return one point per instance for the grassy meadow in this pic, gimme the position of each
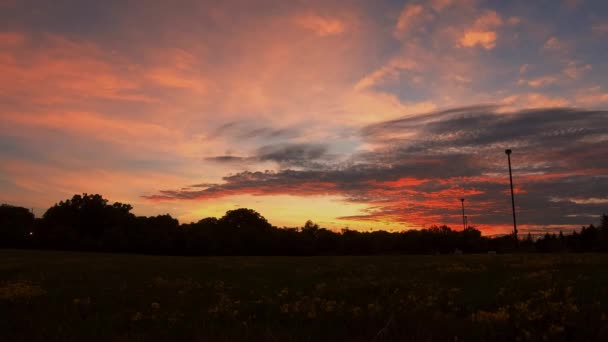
(69, 296)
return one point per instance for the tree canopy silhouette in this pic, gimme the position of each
(90, 222)
(16, 225)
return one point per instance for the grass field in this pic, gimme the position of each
(49, 296)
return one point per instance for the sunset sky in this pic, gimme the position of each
(366, 114)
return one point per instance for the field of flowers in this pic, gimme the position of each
(46, 296)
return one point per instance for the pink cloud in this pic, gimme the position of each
(575, 70)
(388, 71)
(592, 96)
(11, 39)
(440, 5)
(482, 32)
(411, 16)
(534, 100)
(485, 39)
(540, 81)
(553, 43)
(322, 26)
(524, 68)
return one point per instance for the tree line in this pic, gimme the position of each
(90, 223)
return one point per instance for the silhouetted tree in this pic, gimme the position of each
(81, 222)
(89, 222)
(155, 235)
(248, 230)
(16, 226)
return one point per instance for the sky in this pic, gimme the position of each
(361, 114)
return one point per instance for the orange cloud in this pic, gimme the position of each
(86, 124)
(486, 39)
(574, 70)
(592, 96)
(553, 43)
(440, 5)
(403, 182)
(540, 81)
(489, 19)
(513, 21)
(481, 33)
(388, 71)
(411, 15)
(535, 100)
(62, 70)
(167, 77)
(322, 26)
(11, 39)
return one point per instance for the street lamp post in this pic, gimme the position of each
(464, 223)
(508, 152)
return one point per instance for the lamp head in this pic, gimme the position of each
(462, 200)
(508, 152)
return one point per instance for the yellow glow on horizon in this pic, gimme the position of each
(291, 211)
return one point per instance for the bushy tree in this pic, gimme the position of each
(89, 222)
(16, 226)
(82, 221)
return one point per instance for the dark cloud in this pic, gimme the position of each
(423, 164)
(248, 130)
(287, 155)
(292, 153)
(225, 159)
(482, 128)
(267, 133)
(201, 185)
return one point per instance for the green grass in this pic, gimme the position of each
(48, 296)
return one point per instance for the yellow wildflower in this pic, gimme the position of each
(330, 306)
(20, 290)
(137, 316)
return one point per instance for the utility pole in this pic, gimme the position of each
(508, 152)
(464, 220)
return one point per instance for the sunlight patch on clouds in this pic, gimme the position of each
(387, 72)
(539, 81)
(439, 5)
(322, 26)
(411, 16)
(489, 19)
(533, 100)
(485, 39)
(592, 96)
(482, 32)
(553, 43)
(575, 70)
